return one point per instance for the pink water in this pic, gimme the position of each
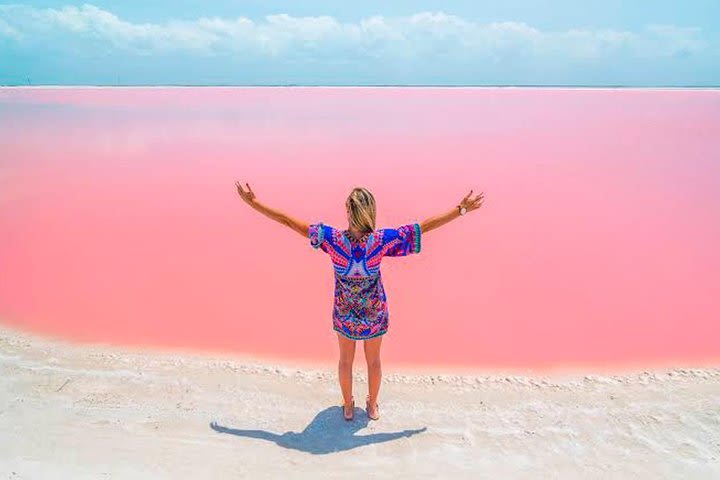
(597, 243)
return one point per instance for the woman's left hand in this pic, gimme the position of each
(248, 196)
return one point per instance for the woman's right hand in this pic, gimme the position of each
(472, 203)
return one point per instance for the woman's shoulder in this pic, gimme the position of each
(394, 232)
(322, 227)
(322, 234)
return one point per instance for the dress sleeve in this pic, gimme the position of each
(320, 236)
(401, 241)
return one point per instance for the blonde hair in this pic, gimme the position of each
(361, 204)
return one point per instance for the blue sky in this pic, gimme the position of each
(512, 42)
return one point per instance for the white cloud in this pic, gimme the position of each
(422, 36)
(7, 31)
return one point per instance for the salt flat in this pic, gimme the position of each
(97, 411)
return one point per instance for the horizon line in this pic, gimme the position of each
(379, 85)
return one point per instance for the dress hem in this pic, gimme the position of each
(358, 338)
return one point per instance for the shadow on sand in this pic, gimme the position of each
(327, 433)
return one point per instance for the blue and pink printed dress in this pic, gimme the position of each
(360, 308)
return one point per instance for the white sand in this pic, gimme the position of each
(70, 411)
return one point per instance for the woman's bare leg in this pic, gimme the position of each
(347, 355)
(372, 356)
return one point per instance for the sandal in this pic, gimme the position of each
(352, 414)
(367, 408)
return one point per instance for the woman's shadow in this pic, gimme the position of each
(327, 433)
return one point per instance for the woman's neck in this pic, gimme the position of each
(355, 232)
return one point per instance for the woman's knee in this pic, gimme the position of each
(374, 363)
(345, 362)
(347, 351)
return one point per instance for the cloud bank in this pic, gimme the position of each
(423, 45)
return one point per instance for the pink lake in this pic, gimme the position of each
(597, 243)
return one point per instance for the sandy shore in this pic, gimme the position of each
(71, 411)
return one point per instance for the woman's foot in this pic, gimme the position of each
(349, 410)
(372, 410)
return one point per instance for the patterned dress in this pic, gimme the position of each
(360, 308)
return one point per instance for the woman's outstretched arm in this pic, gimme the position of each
(281, 217)
(438, 220)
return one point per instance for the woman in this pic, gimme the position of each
(360, 308)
